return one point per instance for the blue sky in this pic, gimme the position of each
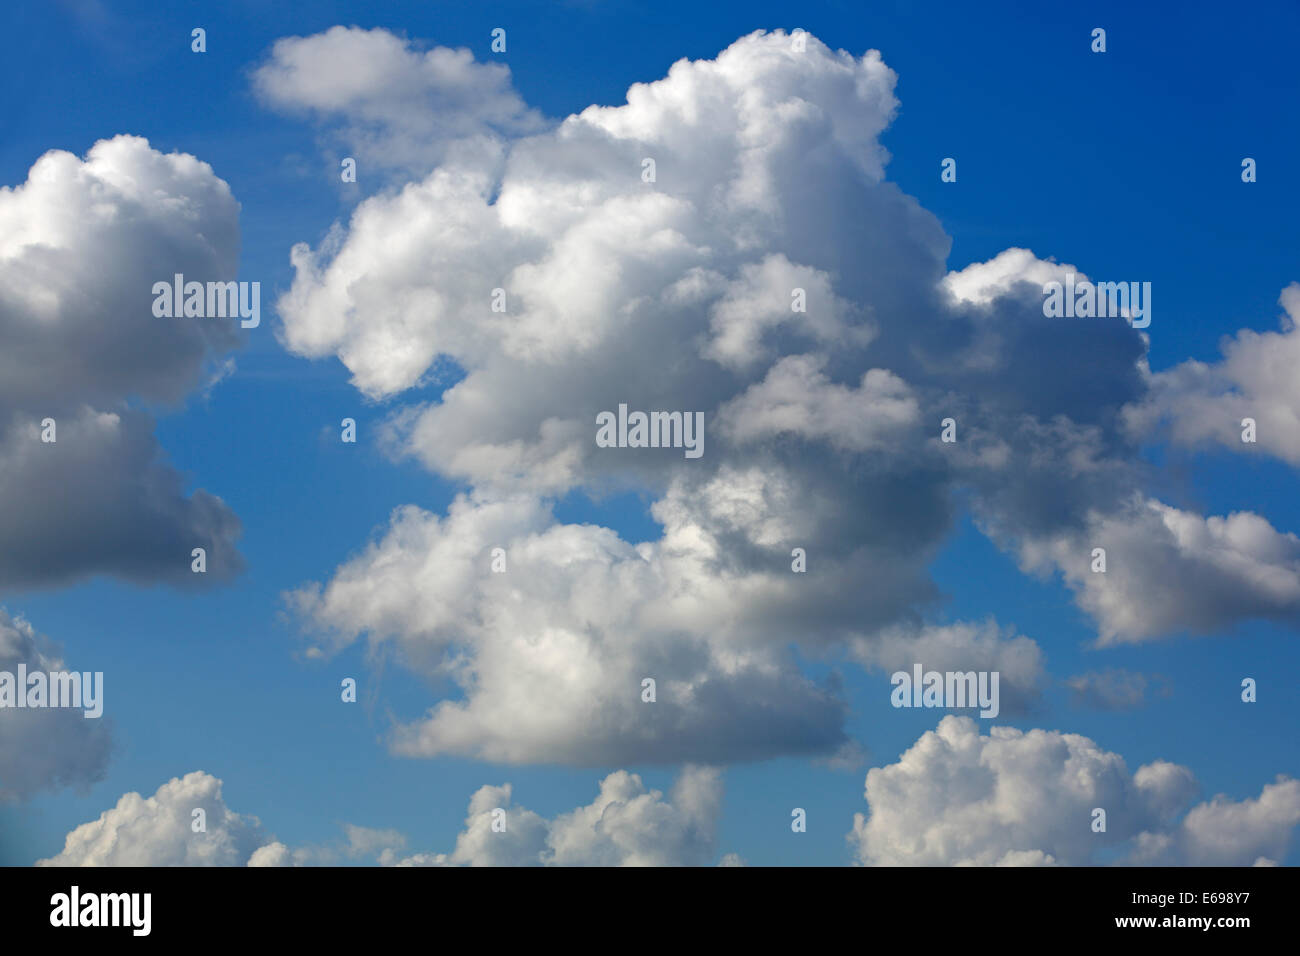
(1125, 164)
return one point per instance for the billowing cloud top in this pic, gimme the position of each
(1011, 798)
(726, 243)
(626, 825)
(162, 830)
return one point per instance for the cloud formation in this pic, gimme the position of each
(398, 105)
(82, 243)
(683, 291)
(553, 651)
(1198, 404)
(1170, 571)
(627, 824)
(1013, 798)
(158, 830)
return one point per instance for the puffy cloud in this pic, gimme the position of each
(606, 278)
(822, 427)
(47, 747)
(156, 830)
(82, 243)
(361, 843)
(1227, 832)
(521, 843)
(626, 825)
(1052, 490)
(1169, 570)
(274, 854)
(954, 798)
(721, 131)
(957, 797)
(1198, 404)
(551, 654)
(983, 283)
(397, 105)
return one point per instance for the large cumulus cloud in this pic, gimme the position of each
(822, 426)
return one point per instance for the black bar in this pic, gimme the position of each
(455, 907)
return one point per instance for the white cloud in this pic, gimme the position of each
(574, 198)
(1169, 570)
(362, 843)
(957, 797)
(626, 825)
(551, 654)
(398, 105)
(954, 798)
(1225, 832)
(157, 831)
(982, 283)
(620, 291)
(821, 427)
(521, 843)
(273, 854)
(82, 243)
(1197, 404)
